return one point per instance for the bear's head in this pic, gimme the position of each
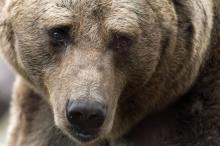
(102, 65)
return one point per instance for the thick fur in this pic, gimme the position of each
(164, 90)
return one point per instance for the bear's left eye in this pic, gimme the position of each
(59, 36)
(121, 42)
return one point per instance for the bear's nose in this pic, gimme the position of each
(85, 116)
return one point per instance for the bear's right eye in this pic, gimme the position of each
(59, 36)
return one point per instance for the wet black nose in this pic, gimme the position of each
(85, 116)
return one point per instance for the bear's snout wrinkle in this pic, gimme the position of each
(86, 117)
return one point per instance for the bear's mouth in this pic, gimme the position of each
(83, 137)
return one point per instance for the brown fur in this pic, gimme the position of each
(163, 90)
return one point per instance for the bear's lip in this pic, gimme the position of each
(82, 137)
(85, 136)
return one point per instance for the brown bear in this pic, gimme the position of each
(113, 72)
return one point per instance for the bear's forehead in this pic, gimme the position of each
(117, 14)
(98, 8)
(97, 5)
(67, 11)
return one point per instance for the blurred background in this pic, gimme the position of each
(6, 82)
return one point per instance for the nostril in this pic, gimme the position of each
(76, 115)
(93, 116)
(86, 115)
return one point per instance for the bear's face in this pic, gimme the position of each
(86, 56)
